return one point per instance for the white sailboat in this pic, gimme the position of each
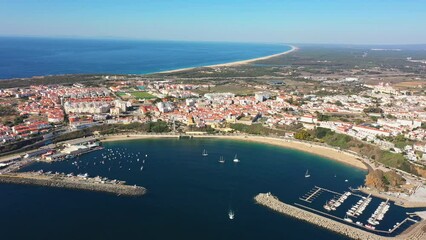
(205, 153)
(236, 159)
(307, 174)
(231, 214)
(221, 160)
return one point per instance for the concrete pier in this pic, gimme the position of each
(72, 182)
(416, 232)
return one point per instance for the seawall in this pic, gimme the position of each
(72, 182)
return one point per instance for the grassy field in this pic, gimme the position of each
(142, 95)
(120, 94)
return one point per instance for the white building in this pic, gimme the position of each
(363, 131)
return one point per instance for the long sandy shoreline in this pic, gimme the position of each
(322, 151)
(236, 63)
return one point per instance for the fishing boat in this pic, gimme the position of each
(307, 174)
(221, 160)
(231, 214)
(236, 159)
(205, 153)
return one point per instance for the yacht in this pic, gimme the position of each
(221, 160)
(236, 159)
(327, 206)
(205, 153)
(347, 219)
(231, 214)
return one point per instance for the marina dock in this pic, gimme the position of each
(80, 182)
(416, 232)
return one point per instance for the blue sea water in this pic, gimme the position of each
(27, 57)
(188, 195)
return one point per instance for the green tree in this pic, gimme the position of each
(302, 135)
(322, 132)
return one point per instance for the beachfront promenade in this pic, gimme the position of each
(416, 232)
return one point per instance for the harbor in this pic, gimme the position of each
(203, 190)
(10, 171)
(416, 232)
(363, 211)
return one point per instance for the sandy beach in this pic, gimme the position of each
(326, 152)
(242, 62)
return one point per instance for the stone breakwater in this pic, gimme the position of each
(417, 232)
(72, 182)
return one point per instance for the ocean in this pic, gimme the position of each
(27, 57)
(188, 195)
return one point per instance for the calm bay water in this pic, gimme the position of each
(188, 197)
(27, 57)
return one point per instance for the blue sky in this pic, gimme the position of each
(297, 21)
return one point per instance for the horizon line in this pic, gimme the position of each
(206, 41)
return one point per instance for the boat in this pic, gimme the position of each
(231, 214)
(347, 219)
(307, 174)
(221, 160)
(370, 227)
(236, 159)
(327, 207)
(205, 153)
(359, 223)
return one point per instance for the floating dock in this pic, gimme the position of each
(73, 182)
(416, 232)
(312, 194)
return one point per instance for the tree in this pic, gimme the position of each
(302, 135)
(373, 110)
(322, 117)
(148, 115)
(321, 132)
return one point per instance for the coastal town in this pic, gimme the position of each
(379, 115)
(301, 120)
(375, 126)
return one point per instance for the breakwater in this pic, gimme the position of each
(416, 232)
(73, 182)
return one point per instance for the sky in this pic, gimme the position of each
(275, 21)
